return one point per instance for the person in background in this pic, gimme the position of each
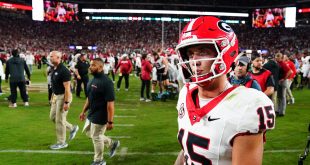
(29, 58)
(81, 72)
(125, 66)
(290, 63)
(262, 76)
(2, 76)
(274, 68)
(146, 71)
(241, 76)
(15, 68)
(100, 107)
(61, 100)
(285, 73)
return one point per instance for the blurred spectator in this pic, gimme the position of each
(241, 76)
(29, 58)
(274, 68)
(81, 72)
(15, 68)
(1, 76)
(289, 62)
(125, 66)
(146, 71)
(263, 76)
(284, 74)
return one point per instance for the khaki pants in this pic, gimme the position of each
(59, 117)
(96, 132)
(274, 98)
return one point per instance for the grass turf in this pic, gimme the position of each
(152, 138)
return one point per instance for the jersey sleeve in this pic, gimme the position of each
(258, 115)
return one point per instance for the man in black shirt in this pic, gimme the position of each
(100, 103)
(81, 73)
(15, 67)
(61, 100)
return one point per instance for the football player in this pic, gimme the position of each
(218, 123)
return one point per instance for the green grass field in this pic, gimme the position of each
(147, 131)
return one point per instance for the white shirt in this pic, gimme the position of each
(1, 71)
(29, 59)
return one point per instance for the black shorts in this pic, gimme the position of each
(160, 75)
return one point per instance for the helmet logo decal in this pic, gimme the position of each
(224, 27)
(222, 66)
(224, 43)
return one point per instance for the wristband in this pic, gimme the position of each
(110, 122)
(67, 102)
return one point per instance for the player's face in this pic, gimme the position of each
(240, 70)
(197, 56)
(95, 67)
(258, 63)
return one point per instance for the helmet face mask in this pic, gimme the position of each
(216, 36)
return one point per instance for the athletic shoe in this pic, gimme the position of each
(141, 99)
(58, 146)
(98, 163)
(115, 145)
(148, 100)
(117, 89)
(26, 104)
(73, 132)
(12, 105)
(126, 89)
(293, 100)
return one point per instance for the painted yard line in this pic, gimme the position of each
(122, 116)
(124, 125)
(122, 153)
(120, 137)
(124, 109)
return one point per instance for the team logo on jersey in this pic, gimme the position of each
(181, 111)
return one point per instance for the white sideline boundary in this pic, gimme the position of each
(118, 153)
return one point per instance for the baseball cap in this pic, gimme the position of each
(244, 60)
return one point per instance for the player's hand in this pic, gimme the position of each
(110, 126)
(66, 107)
(79, 77)
(82, 116)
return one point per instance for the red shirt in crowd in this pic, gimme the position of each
(284, 69)
(263, 77)
(125, 66)
(291, 65)
(146, 70)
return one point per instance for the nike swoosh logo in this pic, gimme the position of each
(212, 119)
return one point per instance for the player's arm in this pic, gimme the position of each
(248, 149)
(180, 159)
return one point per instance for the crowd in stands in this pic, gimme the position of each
(119, 37)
